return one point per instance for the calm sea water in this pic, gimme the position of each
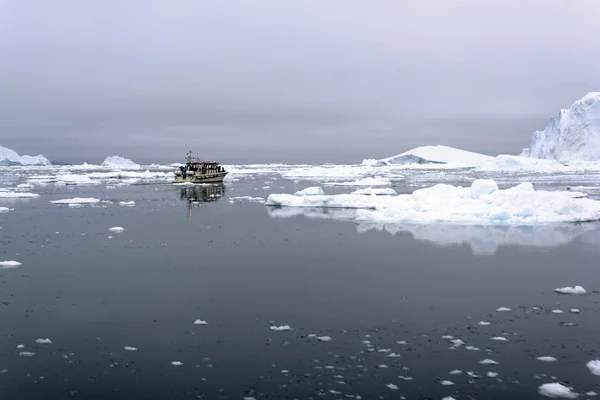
(386, 301)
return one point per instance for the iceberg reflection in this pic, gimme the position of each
(483, 240)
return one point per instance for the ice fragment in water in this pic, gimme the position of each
(392, 386)
(200, 322)
(594, 367)
(281, 328)
(488, 361)
(9, 264)
(484, 323)
(546, 359)
(447, 383)
(43, 341)
(556, 390)
(500, 339)
(503, 309)
(492, 374)
(571, 290)
(129, 348)
(324, 338)
(116, 229)
(176, 363)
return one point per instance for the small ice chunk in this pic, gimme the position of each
(77, 200)
(557, 311)
(129, 348)
(591, 394)
(447, 383)
(43, 341)
(448, 398)
(9, 264)
(406, 378)
(472, 348)
(448, 337)
(556, 390)
(394, 355)
(484, 323)
(310, 191)
(20, 346)
(27, 354)
(116, 229)
(594, 367)
(570, 290)
(574, 310)
(280, 328)
(455, 372)
(500, 339)
(457, 342)
(200, 322)
(392, 386)
(488, 361)
(503, 309)
(127, 203)
(176, 363)
(546, 359)
(324, 338)
(401, 342)
(492, 374)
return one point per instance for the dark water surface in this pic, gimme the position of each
(241, 270)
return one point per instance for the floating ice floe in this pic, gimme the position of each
(324, 338)
(310, 191)
(116, 229)
(27, 354)
(280, 328)
(594, 367)
(455, 372)
(76, 201)
(546, 359)
(488, 361)
(130, 348)
(491, 374)
(447, 383)
(74, 179)
(200, 322)
(503, 309)
(556, 390)
(392, 386)
(6, 194)
(557, 311)
(127, 203)
(375, 191)
(247, 198)
(571, 290)
(575, 310)
(4, 209)
(480, 204)
(118, 162)
(500, 339)
(176, 363)
(20, 346)
(448, 398)
(9, 264)
(378, 181)
(472, 348)
(484, 323)
(43, 341)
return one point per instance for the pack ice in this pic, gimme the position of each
(483, 203)
(571, 135)
(10, 157)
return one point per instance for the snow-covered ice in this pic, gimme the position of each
(556, 390)
(9, 264)
(280, 328)
(546, 359)
(375, 191)
(434, 155)
(508, 163)
(118, 162)
(572, 134)
(200, 322)
(247, 198)
(594, 367)
(480, 204)
(10, 157)
(77, 200)
(310, 191)
(570, 290)
(116, 229)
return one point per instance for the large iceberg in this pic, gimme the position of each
(118, 162)
(434, 155)
(571, 135)
(10, 157)
(483, 203)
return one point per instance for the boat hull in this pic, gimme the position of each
(216, 177)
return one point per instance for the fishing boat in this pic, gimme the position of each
(196, 171)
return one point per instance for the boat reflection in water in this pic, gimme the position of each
(196, 195)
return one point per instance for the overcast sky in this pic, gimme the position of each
(315, 81)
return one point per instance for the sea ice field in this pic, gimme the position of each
(367, 281)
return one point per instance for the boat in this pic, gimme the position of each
(196, 171)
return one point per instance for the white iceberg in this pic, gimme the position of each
(118, 162)
(434, 155)
(571, 290)
(200, 322)
(10, 157)
(4, 209)
(480, 204)
(9, 264)
(556, 390)
(375, 191)
(310, 191)
(572, 134)
(594, 367)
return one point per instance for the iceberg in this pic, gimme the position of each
(9, 157)
(480, 204)
(505, 162)
(433, 155)
(571, 135)
(118, 162)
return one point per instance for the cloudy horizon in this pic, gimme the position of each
(298, 81)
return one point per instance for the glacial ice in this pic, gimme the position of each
(433, 155)
(572, 134)
(480, 204)
(9, 157)
(118, 162)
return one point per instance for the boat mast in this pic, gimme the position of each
(189, 156)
